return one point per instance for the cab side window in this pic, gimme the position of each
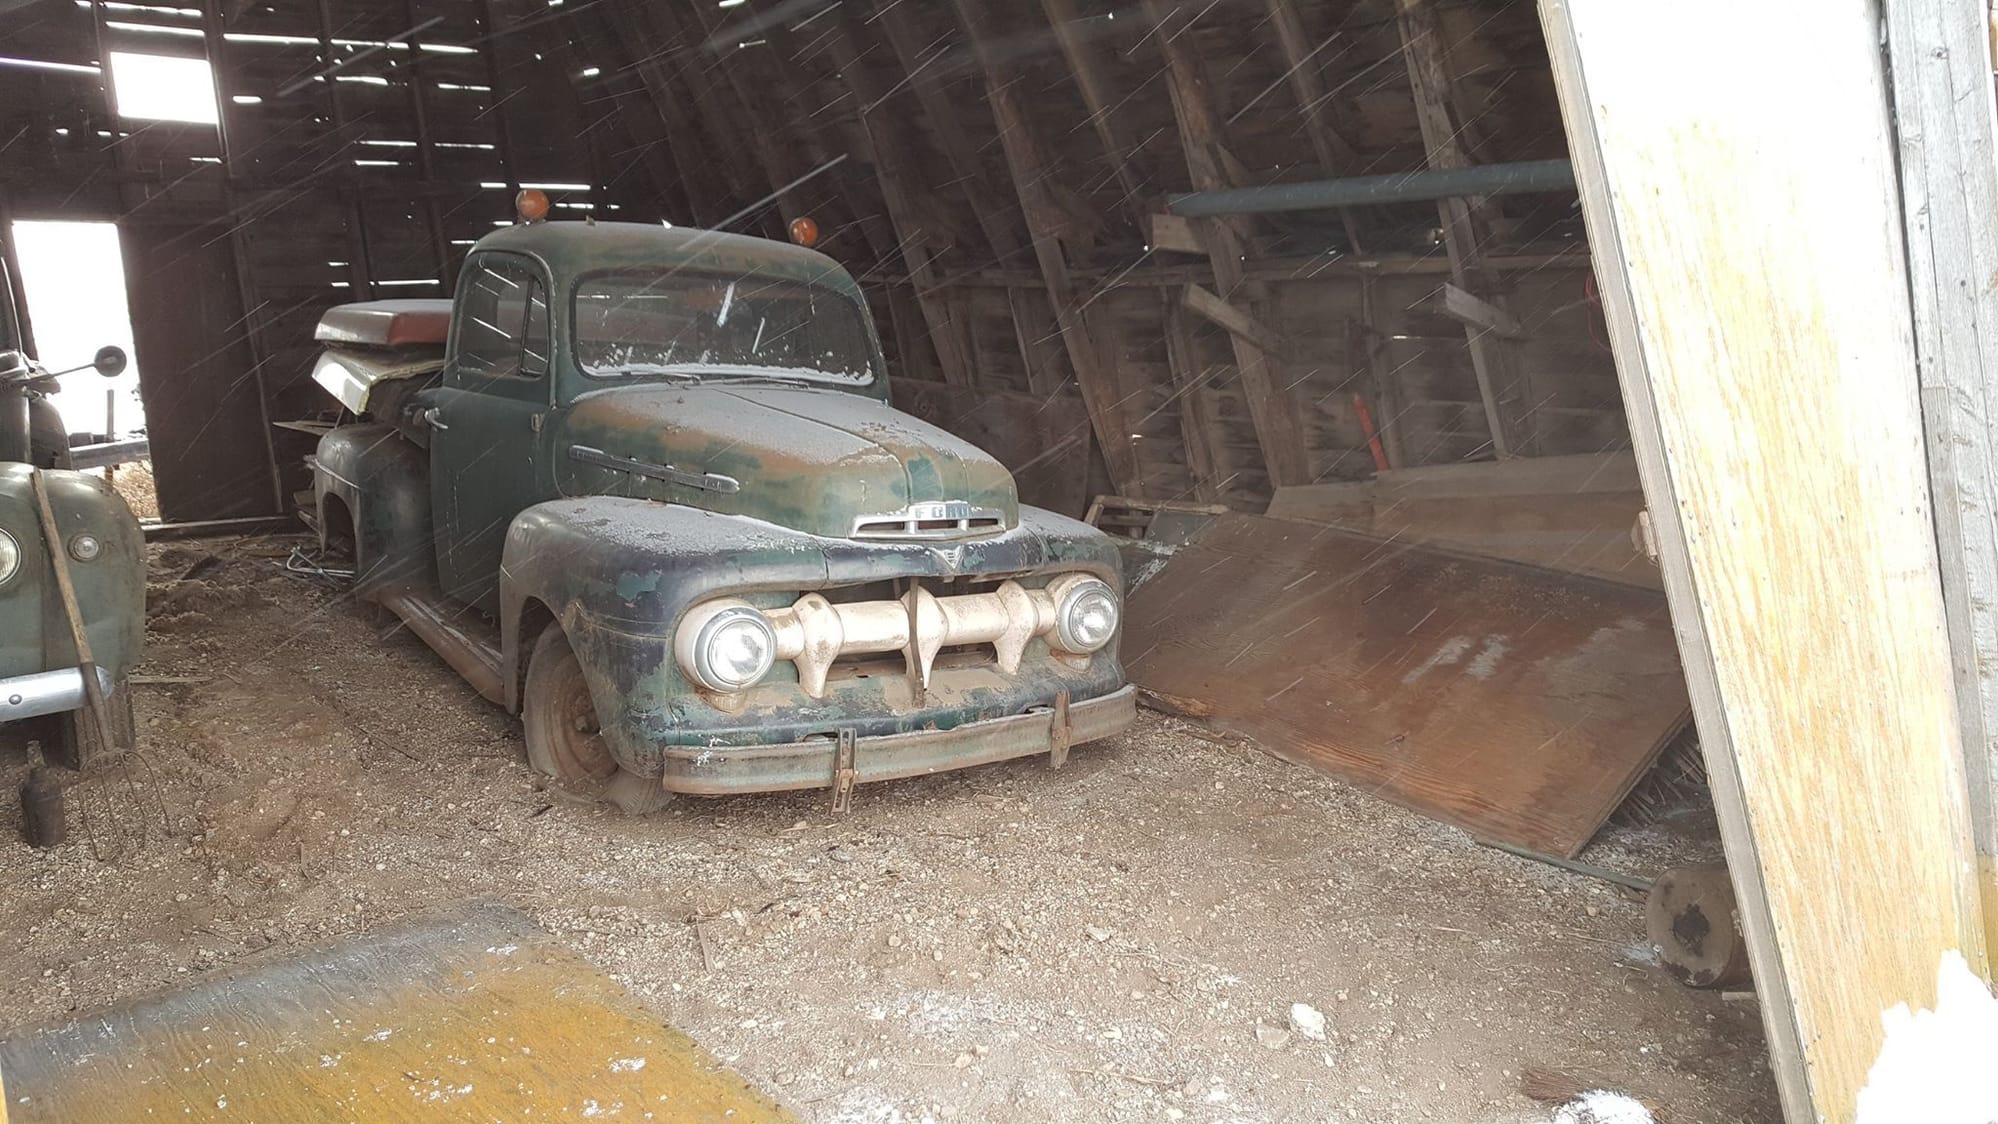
(503, 319)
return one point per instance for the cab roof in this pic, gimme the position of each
(571, 248)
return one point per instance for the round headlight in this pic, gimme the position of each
(1086, 619)
(10, 556)
(727, 649)
(85, 547)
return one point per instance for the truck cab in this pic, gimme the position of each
(643, 486)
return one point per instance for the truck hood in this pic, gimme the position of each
(817, 461)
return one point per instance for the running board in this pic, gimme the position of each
(472, 654)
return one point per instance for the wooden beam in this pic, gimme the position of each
(898, 172)
(1475, 312)
(1198, 427)
(1336, 156)
(1492, 360)
(1279, 429)
(645, 120)
(969, 174)
(1032, 171)
(922, 63)
(1176, 235)
(1770, 379)
(1233, 320)
(710, 179)
(1085, 66)
(1940, 58)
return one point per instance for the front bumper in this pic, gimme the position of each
(720, 770)
(46, 692)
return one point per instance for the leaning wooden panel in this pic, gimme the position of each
(1770, 381)
(1517, 704)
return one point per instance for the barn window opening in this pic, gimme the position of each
(73, 274)
(163, 88)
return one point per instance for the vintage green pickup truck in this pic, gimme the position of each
(643, 487)
(59, 649)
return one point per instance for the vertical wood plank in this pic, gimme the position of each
(1940, 59)
(1769, 375)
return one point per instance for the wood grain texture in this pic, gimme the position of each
(477, 1016)
(1518, 705)
(1769, 374)
(1940, 61)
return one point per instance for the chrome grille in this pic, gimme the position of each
(936, 519)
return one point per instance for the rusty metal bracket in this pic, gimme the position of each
(843, 770)
(1061, 734)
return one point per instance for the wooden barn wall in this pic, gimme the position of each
(365, 145)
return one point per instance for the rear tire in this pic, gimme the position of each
(565, 741)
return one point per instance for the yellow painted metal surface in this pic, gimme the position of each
(482, 1016)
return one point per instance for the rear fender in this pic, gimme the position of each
(383, 480)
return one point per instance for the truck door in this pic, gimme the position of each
(488, 454)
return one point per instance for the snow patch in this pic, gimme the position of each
(1935, 1066)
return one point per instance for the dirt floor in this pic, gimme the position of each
(1123, 940)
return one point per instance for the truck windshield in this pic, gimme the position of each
(639, 323)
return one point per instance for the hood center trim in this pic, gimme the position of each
(705, 481)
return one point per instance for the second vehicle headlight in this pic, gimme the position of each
(727, 647)
(1087, 617)
(10, 556)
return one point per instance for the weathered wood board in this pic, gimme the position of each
(1517, 704)
(1569, 513)
(478, 1016)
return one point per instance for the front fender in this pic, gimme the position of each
(623, 569)
(110, 589)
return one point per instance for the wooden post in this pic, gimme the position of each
(1279, 428)
(1199, 429)
(1940, 58)
(1769, 375)
(1492, 357)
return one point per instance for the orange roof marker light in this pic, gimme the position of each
(531, 205)
(805, 231)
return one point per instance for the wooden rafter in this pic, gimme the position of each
(1279, 431)
(1492, 358)
(795, 108)
(638, 112)
(747, 117)
(1336, 156)
(899, 175)
(711, 175)
(1032, 170)
(1031, 318)
(1085, 65)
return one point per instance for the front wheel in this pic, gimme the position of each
(565, 741)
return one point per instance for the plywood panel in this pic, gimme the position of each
(1516, 704)
(1771, 382)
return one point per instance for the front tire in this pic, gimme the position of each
(565, 741)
